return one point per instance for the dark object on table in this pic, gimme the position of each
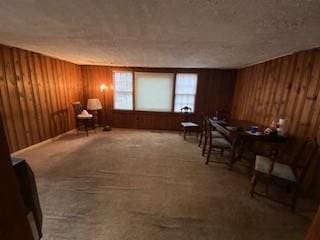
(270, 132)
(273, 170)
(28, 189)
(223, 115)
(254, 129)
(187, 125)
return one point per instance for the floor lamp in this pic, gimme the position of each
(104, 90)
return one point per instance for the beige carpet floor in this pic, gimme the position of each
(143, 185)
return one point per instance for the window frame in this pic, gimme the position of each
(133, 71)
(195, 94)
(113, 92)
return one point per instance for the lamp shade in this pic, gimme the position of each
(94, 104)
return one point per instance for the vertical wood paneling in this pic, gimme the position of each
(41, 95)
(22, 99)
(47, 93)
(288, 87)
(13, 95)
(285, 87)
(31, 107)
(6, 109)
(36, 93)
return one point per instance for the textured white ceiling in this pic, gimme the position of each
(162, 33)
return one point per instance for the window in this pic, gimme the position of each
(123, 82)
(154, 91)
(185, 92)
(151, 91)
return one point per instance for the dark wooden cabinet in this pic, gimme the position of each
(29, 193)
(14, 224)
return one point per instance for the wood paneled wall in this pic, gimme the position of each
(215, 91)
(286, 87)
(36, 93)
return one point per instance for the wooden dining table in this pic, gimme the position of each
(245, 143)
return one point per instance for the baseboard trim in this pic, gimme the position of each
(42, 143)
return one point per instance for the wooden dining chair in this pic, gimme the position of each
(215, 142)
(188, 125)
(203, 131)
(204, 137)
(83, 123)
(274, 170)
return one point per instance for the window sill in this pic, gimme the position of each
(147, 112)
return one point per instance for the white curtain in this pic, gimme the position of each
(122, 82)
(153, 91)
(185, 92)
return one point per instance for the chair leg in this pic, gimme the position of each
(184, 134)
(204, 148)
(294, 198)
(86, 128)
(230, 165)
(267, 188)
(253, 185)
(200, 140)
(208, 156)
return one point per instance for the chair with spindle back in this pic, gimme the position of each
(215, 142)
(77, 106)
(187, 125)
(205, 134)
(273, 169)
(83, 122)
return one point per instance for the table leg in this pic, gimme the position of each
(237, 153)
